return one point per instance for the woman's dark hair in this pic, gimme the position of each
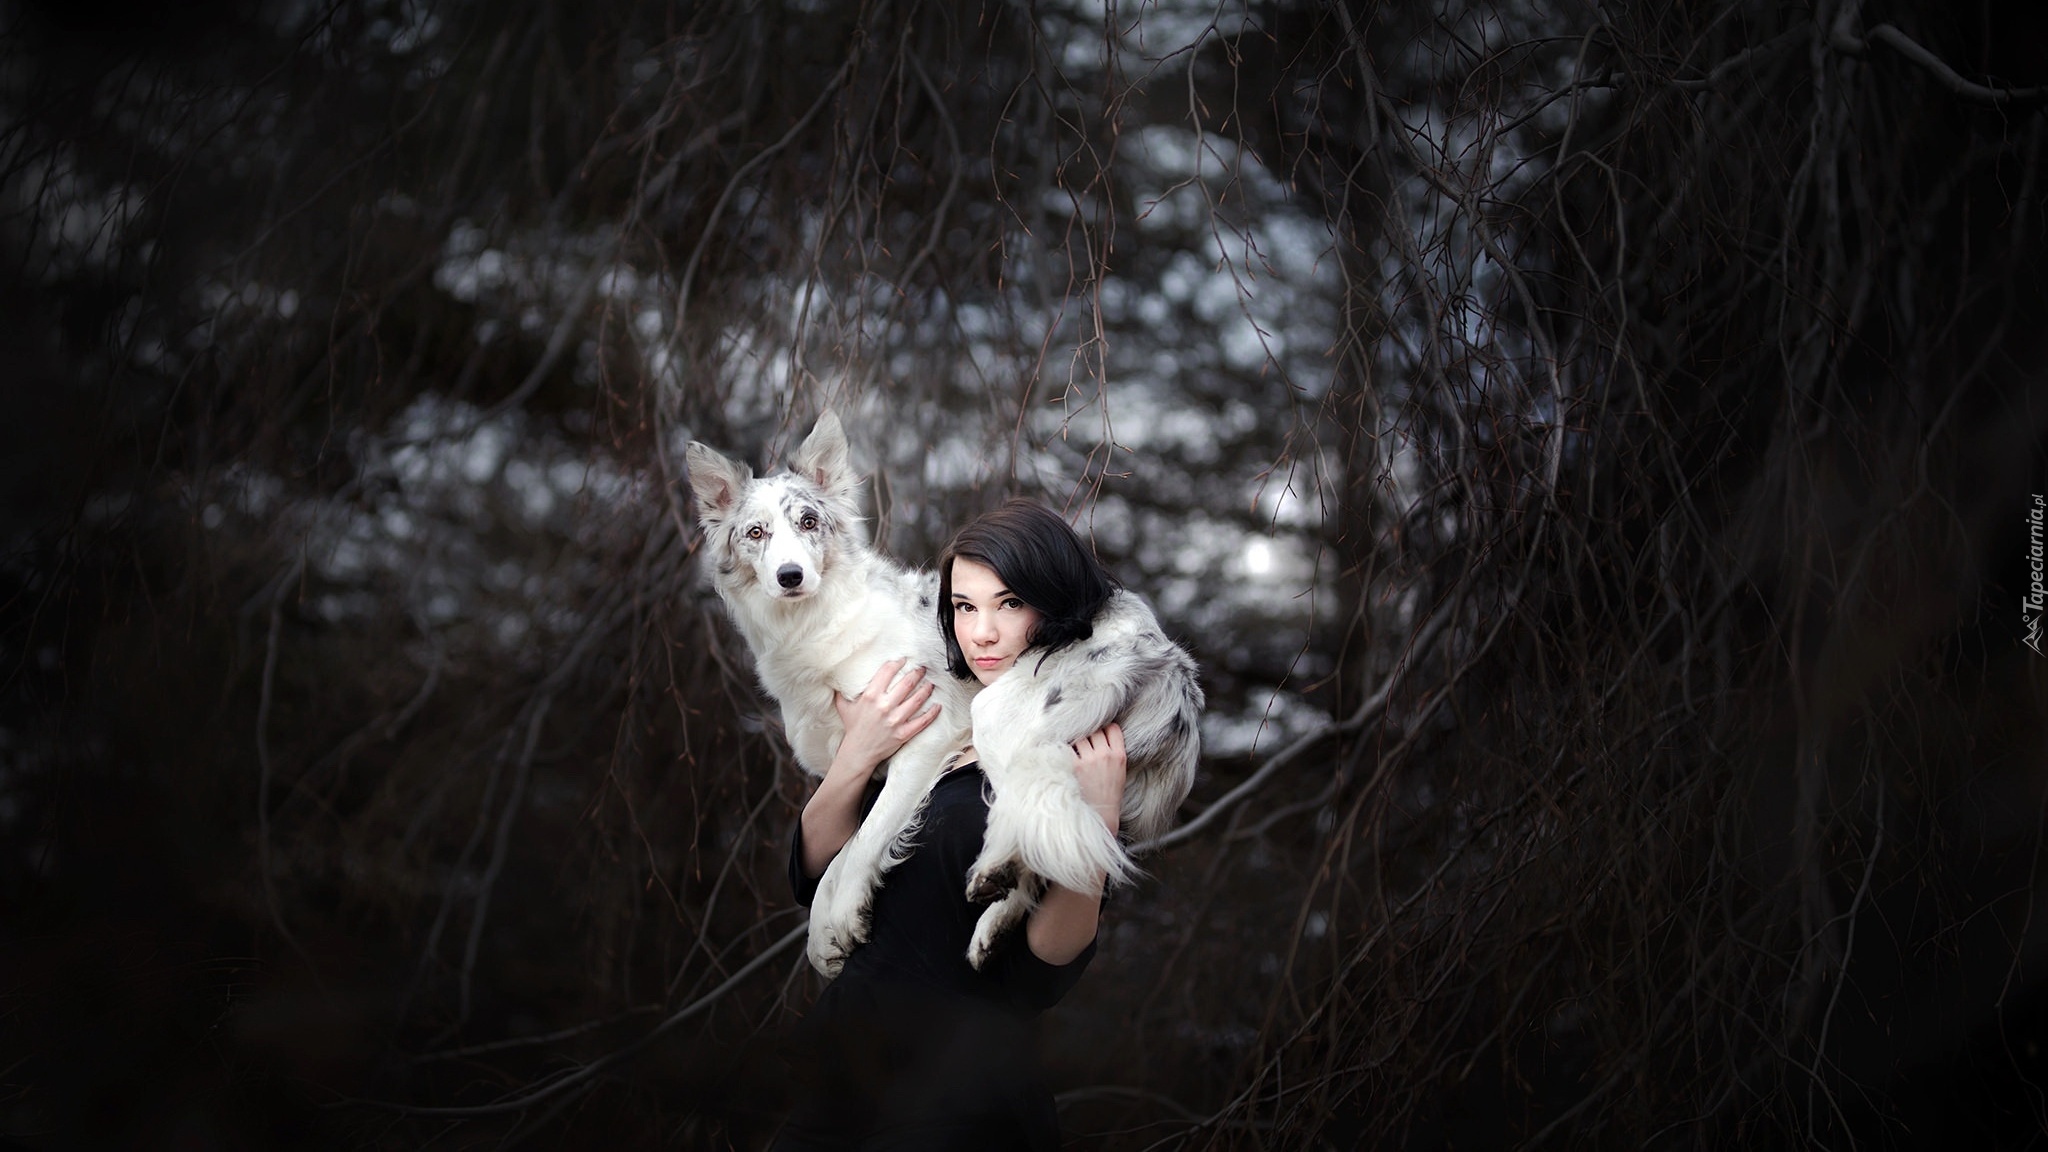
(1042, 561)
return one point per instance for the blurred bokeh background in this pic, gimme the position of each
(1590, 448)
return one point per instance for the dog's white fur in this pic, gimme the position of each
(1039, 827)
(822, 610)
(846, 611)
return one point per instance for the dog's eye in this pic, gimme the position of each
(809, 523)
(755, 533)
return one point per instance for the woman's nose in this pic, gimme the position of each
(980, 629)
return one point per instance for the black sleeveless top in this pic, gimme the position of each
(910, 1046)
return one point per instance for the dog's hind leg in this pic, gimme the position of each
(999, 918)
(1040, 823)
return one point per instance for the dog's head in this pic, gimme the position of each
(783, 532)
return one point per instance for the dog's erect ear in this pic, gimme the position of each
(823, 459)
(716, 481)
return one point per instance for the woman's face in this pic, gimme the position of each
(992, 625)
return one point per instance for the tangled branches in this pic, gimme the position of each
(1582, 443)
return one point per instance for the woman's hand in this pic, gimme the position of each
(888, 712)
(1100, 766)
(883, 718)
(1065, 921)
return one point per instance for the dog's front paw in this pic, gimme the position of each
(839, 922)
(825, 951)
(991, 881)
(847, 916)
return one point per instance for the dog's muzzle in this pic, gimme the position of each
(789, 575)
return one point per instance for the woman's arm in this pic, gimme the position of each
(881, 720)
(1065, 921)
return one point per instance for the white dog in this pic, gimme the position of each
(822, 610)
(1039, 826)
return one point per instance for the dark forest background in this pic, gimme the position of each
(1588, 445)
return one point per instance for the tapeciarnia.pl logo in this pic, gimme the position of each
(2036, 600)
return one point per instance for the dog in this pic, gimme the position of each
(1039, 828)
(822, 610)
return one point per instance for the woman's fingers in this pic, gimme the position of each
(914, 700)
(890, 682)
(895, 706)
(910, 716)
(1106, 743)
(1099, 767)
(884, 676)
(1100, 752)
(906, 694)
(886, 688)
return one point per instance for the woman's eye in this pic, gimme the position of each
(1013, 602)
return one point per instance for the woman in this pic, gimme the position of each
(911, 1047)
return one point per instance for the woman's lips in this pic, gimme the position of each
(987, 661)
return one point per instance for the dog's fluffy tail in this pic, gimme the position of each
(1045, 822)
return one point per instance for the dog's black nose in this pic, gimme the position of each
(789, 575)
